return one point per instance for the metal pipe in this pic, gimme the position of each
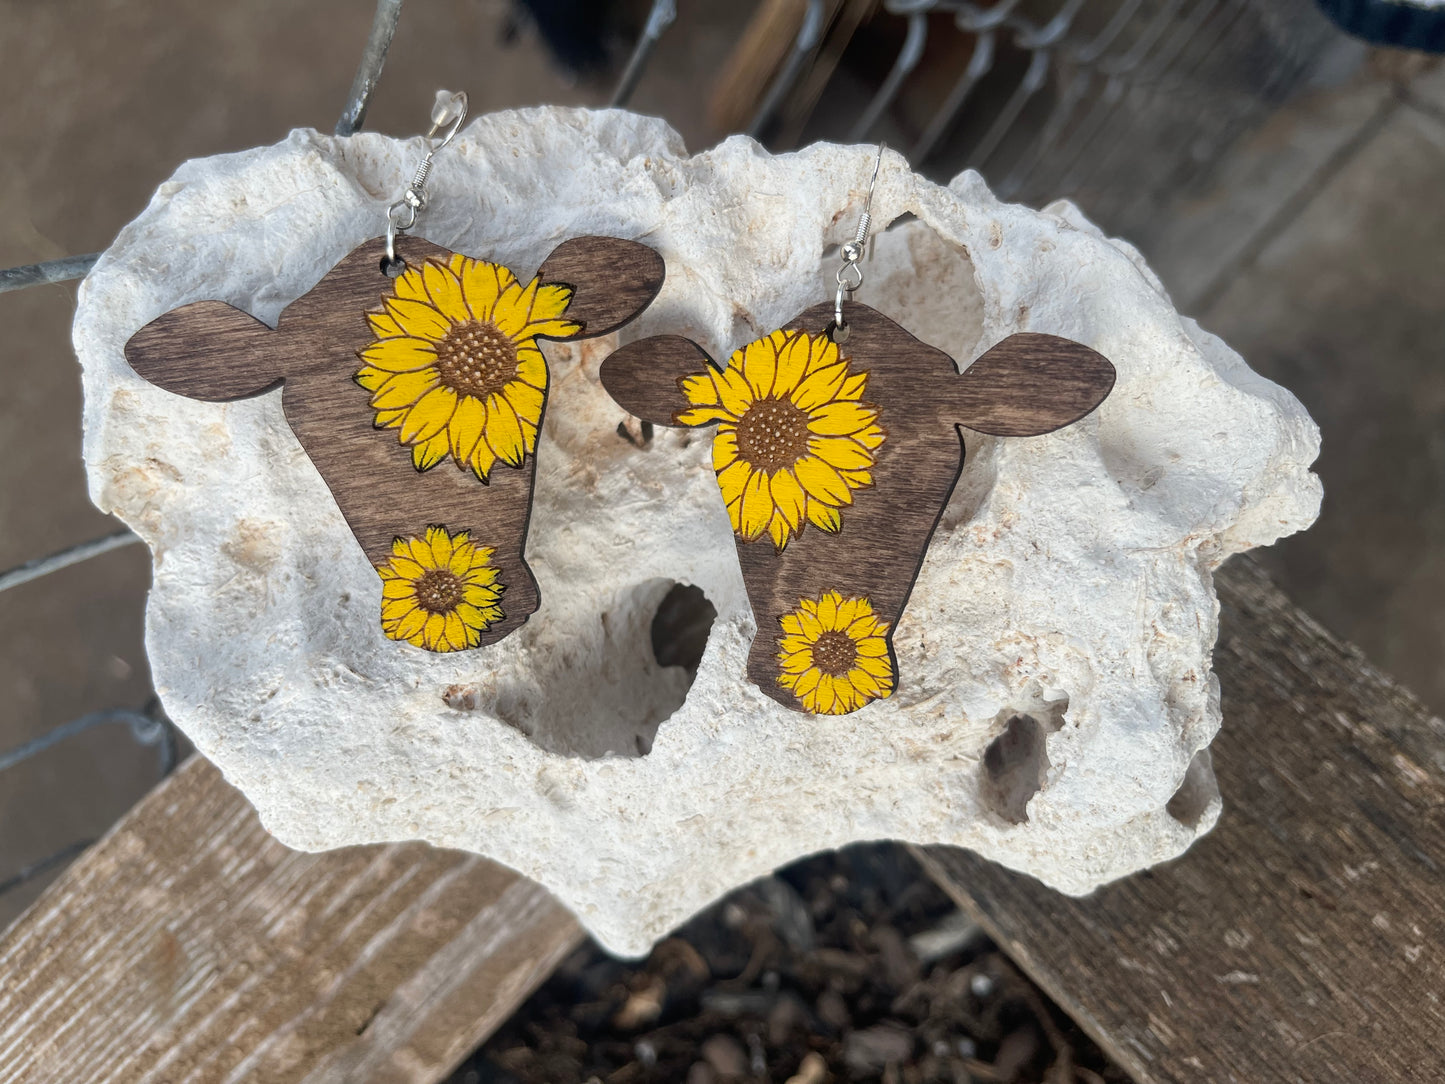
(907, 59)
(39, 274)
(373, 58)
(662, 15)
(43, 566)
(979, 65)
(809, 34)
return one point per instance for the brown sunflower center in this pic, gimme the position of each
(438, 591)
(772, 434)
(476, 358)
(835, 653)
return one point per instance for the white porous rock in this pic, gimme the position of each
(1069, 581)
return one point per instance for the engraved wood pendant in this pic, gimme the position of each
(419, 398)
(835, 462)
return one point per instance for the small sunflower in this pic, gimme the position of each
(455, 366)
(794, 437)
(439, 592)
(834, 654)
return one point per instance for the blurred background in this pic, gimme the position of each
(1285, 179)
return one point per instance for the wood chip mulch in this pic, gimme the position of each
(849, 966)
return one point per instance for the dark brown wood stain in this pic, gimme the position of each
(211, 351)
(1026, 385)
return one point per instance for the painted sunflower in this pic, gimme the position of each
(439, 592)
(794, 437)
(834, 654)
(455, 366)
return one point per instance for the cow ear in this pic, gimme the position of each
(207, 350)
(1030, 384)
(611, 280)
(646, 379)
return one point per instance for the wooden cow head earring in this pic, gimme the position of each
(851, 428)
(412, 377)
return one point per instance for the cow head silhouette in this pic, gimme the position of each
(419, 397)
(835, 461)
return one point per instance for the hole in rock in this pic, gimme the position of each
(1016, 763)
(601, 686)
(680, 627)
(1196, 793)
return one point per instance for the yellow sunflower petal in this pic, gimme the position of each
(445, 292)
(874, 647)
(394, 609)
(411, 624)
(473, 617)
(389, 419)
(526, 400)
(853, 387)
(404, 389)
(843, 453)
(822, 353)
(532, 367)
(370, 378)
(384, 325)
(513, 308)
(482, 461)
(483, 283)
(699, 389)
(828, 610)
(434, 632)
(732, 479)
(865, 683)
(792, 365)
(430, 415)
(808, 620)
(796, 662)
(760, 366)
(791, 625)
(441, 546)
(409, 285)
(821, 700)
(546, 315)
(418, 318)
(757, 507)
(806, 682)
(820, 387)
(824, 516)
(733, 388)
(401, 355)
(839, 418)
(871, 437)
(503, 433)
(455, 631)
(701, 415)
(465, 428)
(724, 450)
(788, 495)
(877, 665)
(426, 454)
(822, 481)
(480, 597)
(779, 530)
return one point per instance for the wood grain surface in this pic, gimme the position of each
(190, 946)
(212, 351)
(1028, 384)
(1303, 940)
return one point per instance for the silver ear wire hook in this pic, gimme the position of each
(449, 112)
(850, 275)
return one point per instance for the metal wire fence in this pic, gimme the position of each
(1123, 105)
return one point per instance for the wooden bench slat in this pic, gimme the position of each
(1303, 939)
(188, 945)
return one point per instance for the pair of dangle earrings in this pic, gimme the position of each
(413, 378)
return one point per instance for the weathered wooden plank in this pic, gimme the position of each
(188, 945)
(1303, 939)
